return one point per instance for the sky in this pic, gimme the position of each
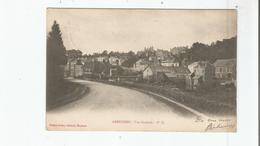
(95, 30)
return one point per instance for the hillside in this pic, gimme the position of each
(224, 49)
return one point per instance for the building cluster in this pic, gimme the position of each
(160, 67)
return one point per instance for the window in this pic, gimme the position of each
(229, 69)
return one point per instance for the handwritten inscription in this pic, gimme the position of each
(213, 126)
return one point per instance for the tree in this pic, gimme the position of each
(104, 53)
(149, 51)
(55, 58)
(111, 53)
(55, 48)
(74, 53)
(98, 67)
(216, 50)
(200, 51)
(131, 54)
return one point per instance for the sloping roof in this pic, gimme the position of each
(128, 71)
(181, 70)
(170, 75)
(166, 69)
(193, 64)
(129, 62)
(201, 63)
(143, 61)
(170, 61)
(161, 68)
(225, 62)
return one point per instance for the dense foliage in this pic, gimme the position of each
(217, 50)
(55, 59)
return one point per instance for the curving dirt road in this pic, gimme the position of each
(108, 107)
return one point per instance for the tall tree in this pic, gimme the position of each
(55, 47)
(55, 58)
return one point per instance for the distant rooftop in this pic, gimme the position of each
(181, 70)
(225, 62)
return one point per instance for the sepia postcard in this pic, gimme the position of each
(141, 70)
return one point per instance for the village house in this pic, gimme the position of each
(82, 58)
(115, 70)
(74, 68)
(102, 58)
(88, 68)
(153, 60)
(90, 59)
(225, 69)
(162, 54)
(115, 60)
(201, 72)
(128, 71)
(185, 62)
(170, 63)
(120, 73)
(78, 69)
(165, 73)
(140, 65)
(202, 69)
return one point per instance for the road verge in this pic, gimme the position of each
(72, 92)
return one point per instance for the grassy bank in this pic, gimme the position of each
(64, 93)
(216, 101)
